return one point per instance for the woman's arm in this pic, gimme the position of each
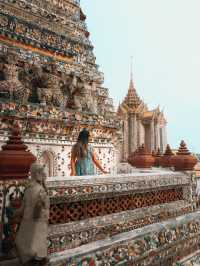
(73, 166)
(97, 163)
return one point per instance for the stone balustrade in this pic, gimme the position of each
(84, 209)
(73, 189)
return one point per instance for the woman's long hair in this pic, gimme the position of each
(79, 150)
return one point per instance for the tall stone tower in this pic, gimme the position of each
(50, 83)
(140, 125)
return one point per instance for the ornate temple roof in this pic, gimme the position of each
(133, 104)
(132, 99)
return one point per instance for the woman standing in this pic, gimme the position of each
(83, 157)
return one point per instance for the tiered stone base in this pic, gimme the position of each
(87, 209)
(158, 244)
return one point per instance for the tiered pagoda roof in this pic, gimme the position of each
(132, 99)
(132, 103)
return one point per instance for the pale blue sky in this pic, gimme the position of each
(163, 38)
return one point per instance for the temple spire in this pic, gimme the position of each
(131, 86)
(132, 99)
(131, 67)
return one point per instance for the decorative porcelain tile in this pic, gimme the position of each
(161, 243)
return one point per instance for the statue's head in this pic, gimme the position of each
(37, 172)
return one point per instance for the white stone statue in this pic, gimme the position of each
(31, 240)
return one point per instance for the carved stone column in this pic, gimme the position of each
(125, 140)
(157, 137)
(152, 134)
(132, 124)
(126, 132)
(140, 133)
(164, 137)
(135, 133)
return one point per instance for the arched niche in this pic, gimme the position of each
(48, 160)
